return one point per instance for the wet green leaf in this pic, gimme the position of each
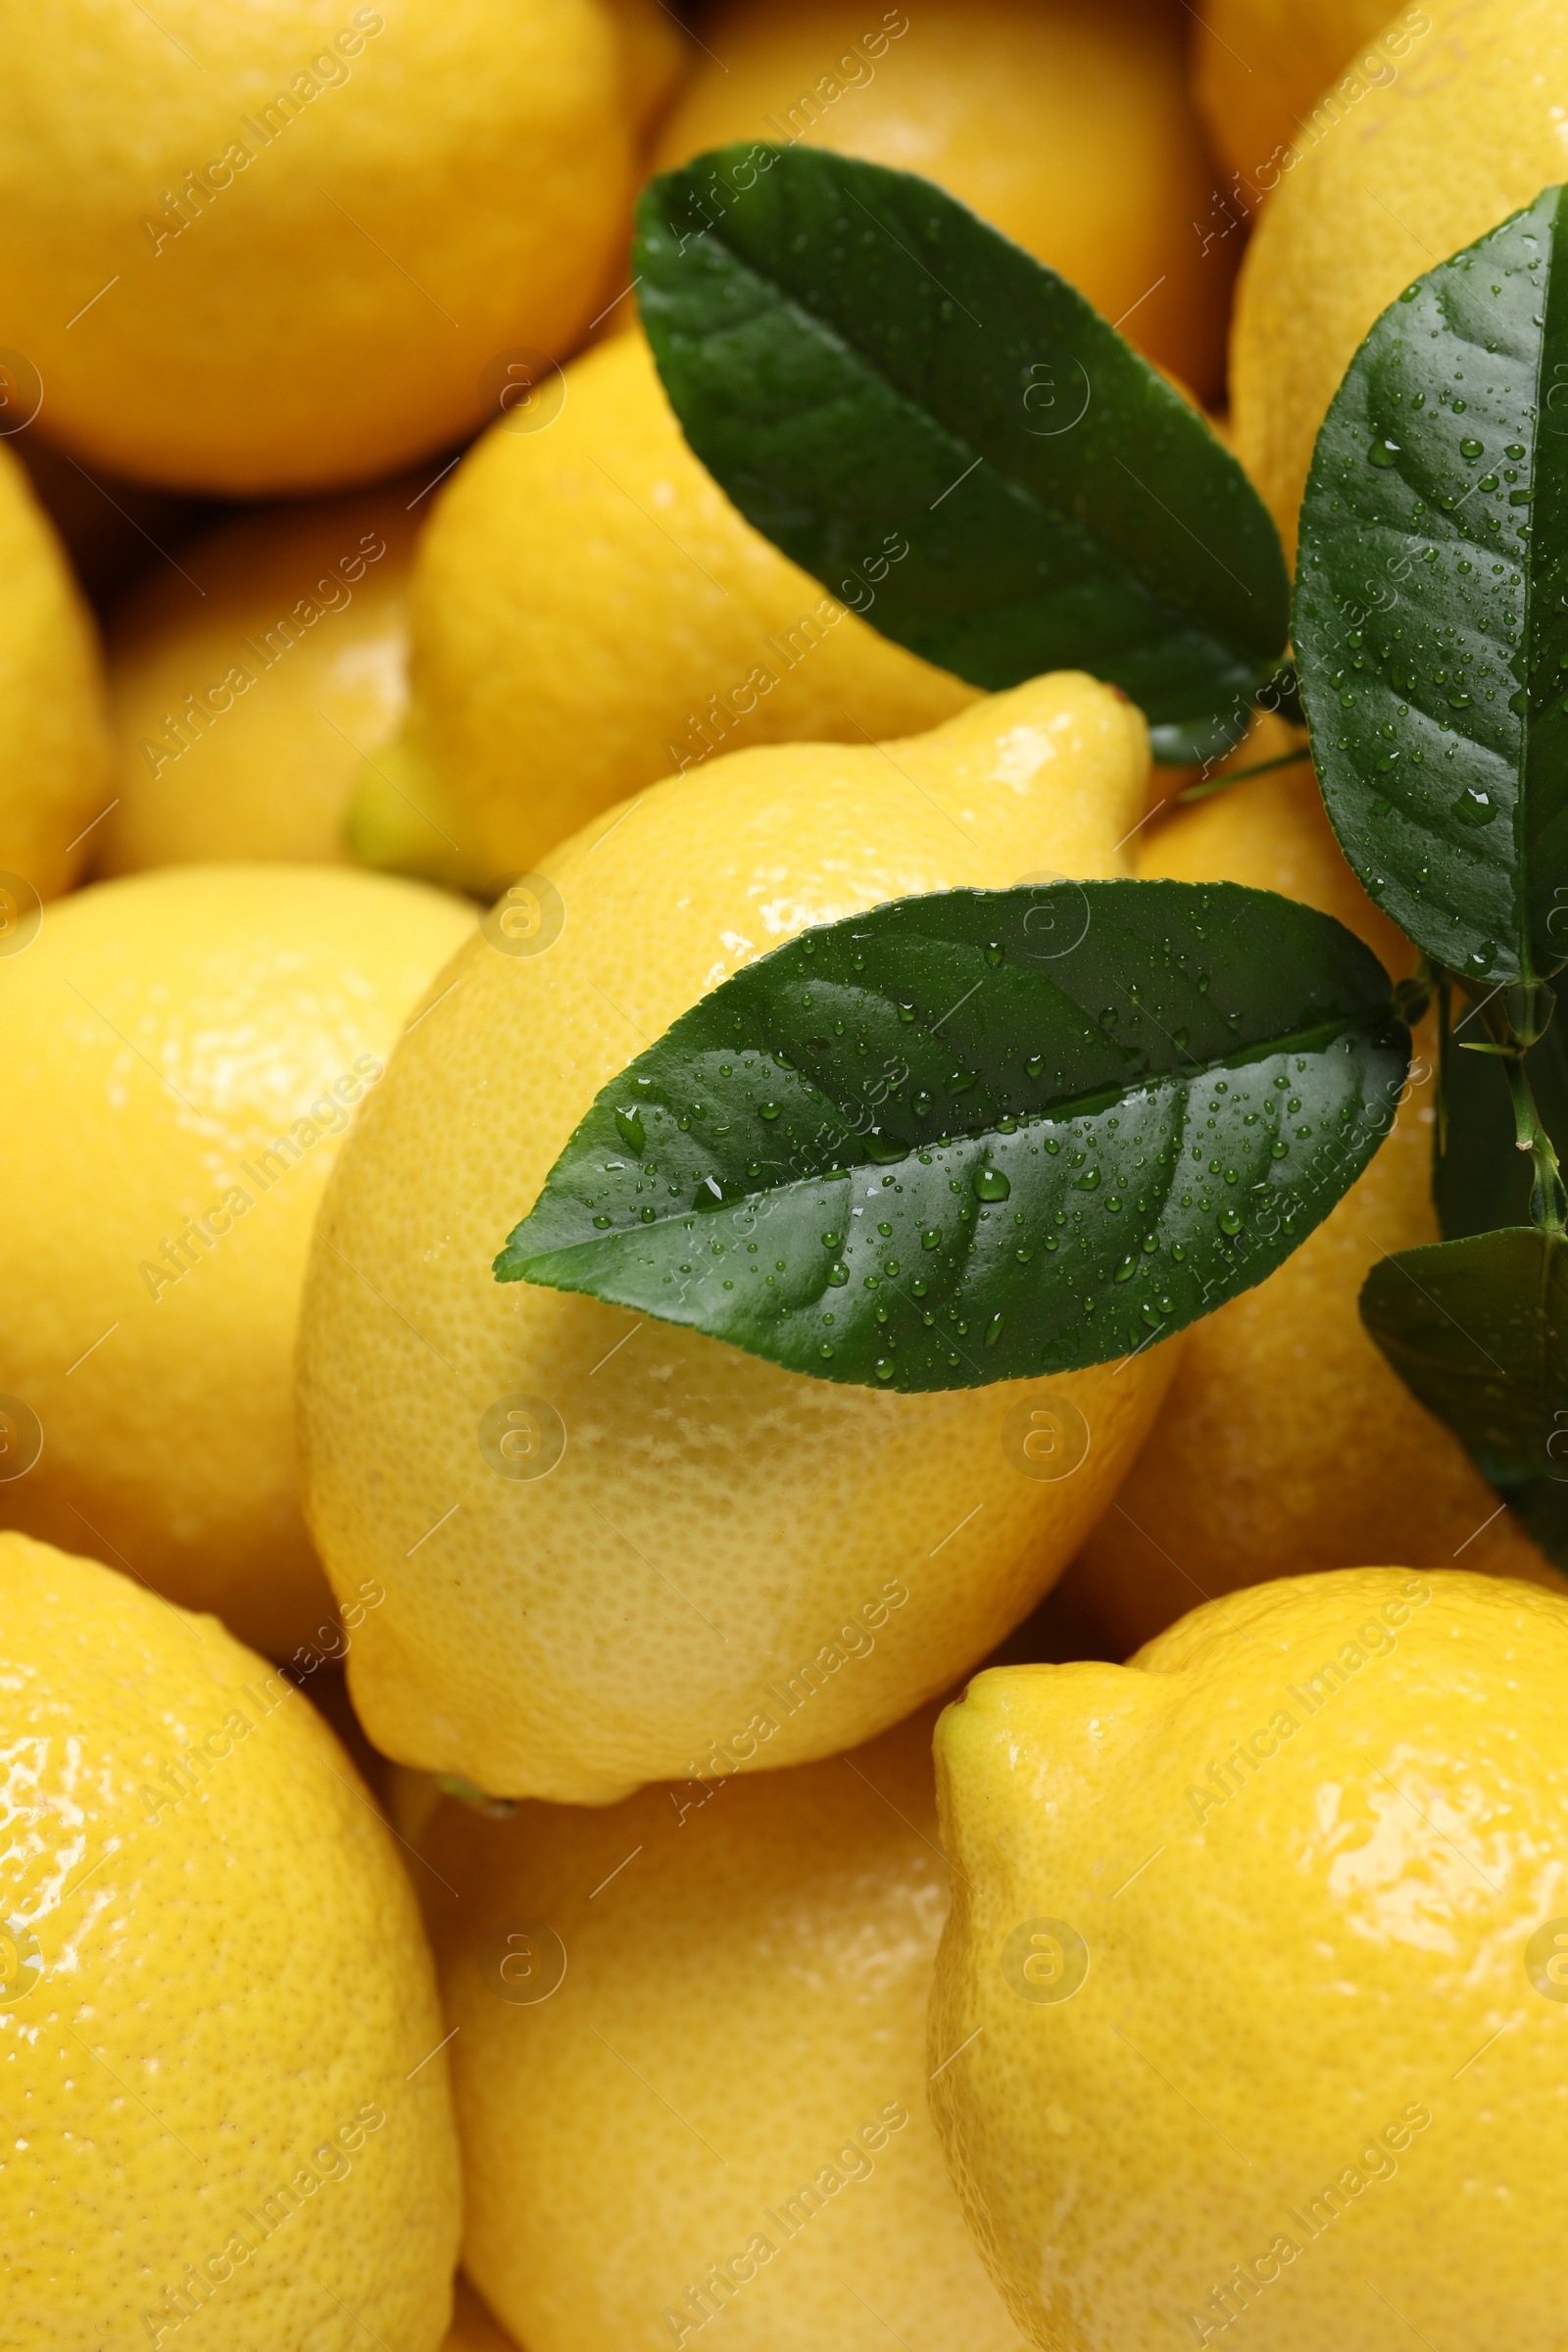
(1431, 604)
(1478, 1330)
(980, 1134)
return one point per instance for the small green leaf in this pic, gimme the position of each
(1478, 1180)
(980, 1134)
(948, 436)
(1478, 1330)
(1431, 604)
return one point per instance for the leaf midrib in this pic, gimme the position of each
(1036, 505)
(1315, 1040)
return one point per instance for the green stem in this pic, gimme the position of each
(1549, 1203)
(1239, 775)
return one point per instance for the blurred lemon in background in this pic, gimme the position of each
(1068, 128)
(591, 613)
(246, 687)
(285, 246)
(1288, 1442)
(217, 2016)
(690, 2066)
(1409, 174)
(678, 1527)
(55, 753)
(1264, 74)
(184, 1052)
(1256, 1965)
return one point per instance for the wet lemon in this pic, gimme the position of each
(186, 1051)
(227, 2102)
(615, 1550)
(1257, 1971)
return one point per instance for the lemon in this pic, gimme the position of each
(1411, 172)
(1267, 72)
(243, 706)
(295, 245)
(1259, 1954)
(1070, 130)
(1288, 1442)
(591, 613)
(689, 2064)
(730, 1564)
(226, 2098)
(185, 1050)
(53, 776)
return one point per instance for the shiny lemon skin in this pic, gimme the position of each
(714, 1522)
(1257, 1962)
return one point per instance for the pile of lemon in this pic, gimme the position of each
(468, 1822)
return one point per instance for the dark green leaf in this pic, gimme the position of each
(948, 437)
(981, 1134)
(1478, 1180)
(1431, 604)
(1478, 1330)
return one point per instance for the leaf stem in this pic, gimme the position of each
(1515, 1018)
(1239, 775)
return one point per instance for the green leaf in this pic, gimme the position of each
(980, 1134)
(1431, 604)
(1478, 1180)
(948, 436)
(1478, 1330)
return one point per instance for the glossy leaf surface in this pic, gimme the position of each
(951, 439)
(1431, 604)
(980, 1134)
(1478, 1330)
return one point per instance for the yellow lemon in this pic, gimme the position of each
(1287, 1443)
(246, 688)
(1267, 73)
(689, 2064)
(616, 1549)
(1069, 129)
(56, 762)
(590, 614)
(1256, 1965)
(185, 1050)
(1410, 173)
(290, 246)
(227, 2107)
